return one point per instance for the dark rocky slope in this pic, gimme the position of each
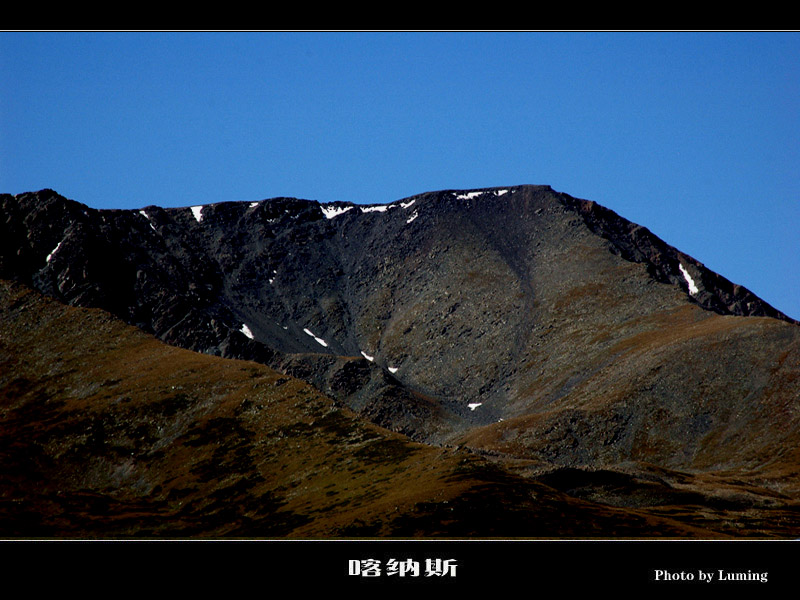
(544, 331)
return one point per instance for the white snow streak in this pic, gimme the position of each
(319, 340)
(689, 281)
(253, 204)
(471, 195)
(146, 216)
(333, 211)
(393, 369)
(49, 256)
(412, 217)
(367, 356)
(474, 406)
(197, 211)
(246, 330)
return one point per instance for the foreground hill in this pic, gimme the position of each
(108, 432)
(544, 334)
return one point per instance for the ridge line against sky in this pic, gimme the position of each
(693, 135)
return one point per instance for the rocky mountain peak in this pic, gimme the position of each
(441, 297)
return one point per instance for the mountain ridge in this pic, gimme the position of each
(641, 246)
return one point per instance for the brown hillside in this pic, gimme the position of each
(107, 432)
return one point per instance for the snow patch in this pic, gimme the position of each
(393, 369)
(367, 356)
(49, 256)
(253, 204)
(382, 208)
(474, 405)
(407, 204)
(246, 330)
(146, 216)
(197, 211)
(412, 217)
(689, 281)
(471, 195)
(319, 340)
(334, 211)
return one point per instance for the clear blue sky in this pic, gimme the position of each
(693, 135)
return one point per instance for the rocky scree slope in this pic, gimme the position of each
(542, 330)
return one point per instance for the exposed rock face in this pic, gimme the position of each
(522, 322)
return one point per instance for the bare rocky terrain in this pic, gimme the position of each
(507, 362)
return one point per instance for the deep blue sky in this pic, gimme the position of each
(693, 135)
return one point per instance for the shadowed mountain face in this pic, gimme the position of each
(565, 344)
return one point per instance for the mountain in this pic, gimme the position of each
(571, 353)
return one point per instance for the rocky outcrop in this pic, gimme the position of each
(667, 264)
